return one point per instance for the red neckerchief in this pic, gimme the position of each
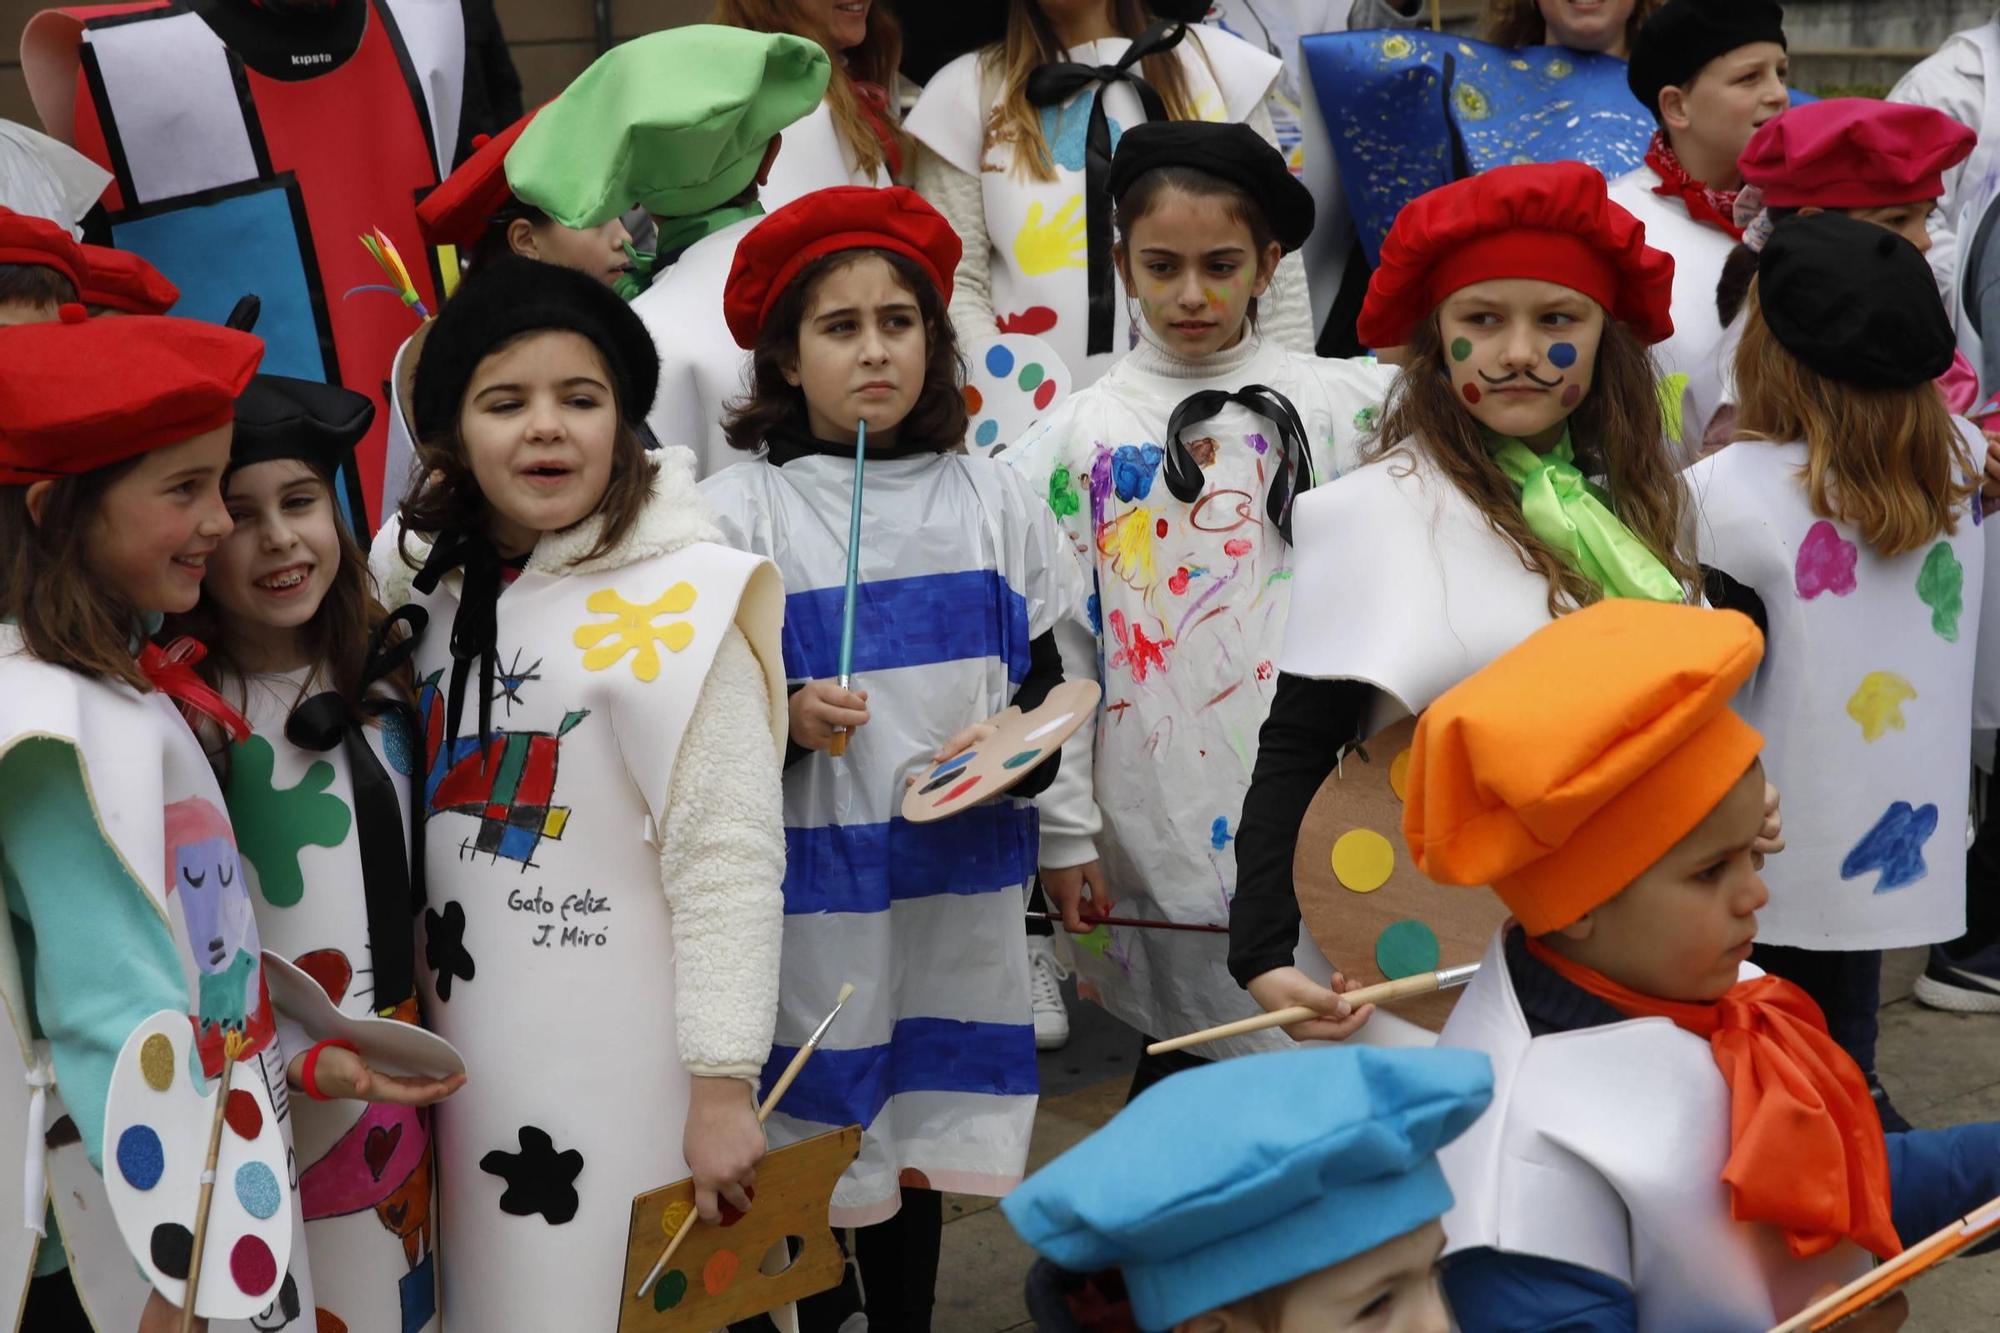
(873, 99)
(1717, 208)
(1806, 1153)
(171, 671)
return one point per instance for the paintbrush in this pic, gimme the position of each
(232, 1050)
(838, 745)
(778, 1090)
(1135, 923)
(1387, 992)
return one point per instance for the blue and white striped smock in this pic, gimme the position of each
(962, 567)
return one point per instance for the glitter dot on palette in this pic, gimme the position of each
(1025, 757)
(1406, 949)
(253, 1266)
(673, 1215)
(720, 1271)
(670, 1291)
(142, 1159)
(974, 400)
(999, 360)
(960, 790)
(172, 1247)
(731, 1214)
(257, 1190)
(156, 1062)
(1363, 860)
(988, 432)
(1045, 395)
(243, 1114)
(1031, 376)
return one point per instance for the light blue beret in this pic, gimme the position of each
(1246, 1174)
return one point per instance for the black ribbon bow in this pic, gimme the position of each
(1295, 465)
(1053, 85)
(475, 630)
(392, 864)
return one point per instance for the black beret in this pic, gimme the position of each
(513, 296)
(279, 417)
(1686, 34)
(1854, 301)
(1232, 152)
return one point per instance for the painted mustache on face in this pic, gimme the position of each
(1529, 375)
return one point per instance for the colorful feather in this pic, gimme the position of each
(391, 263)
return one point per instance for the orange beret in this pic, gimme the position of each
(1573, 762)
(123, 281)
(27, 239)
(81, 394)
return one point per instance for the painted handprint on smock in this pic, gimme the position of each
(1053, 245)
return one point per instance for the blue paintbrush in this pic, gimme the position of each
(838, 745)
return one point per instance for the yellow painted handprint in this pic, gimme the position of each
(633, 631)
(1059, 243)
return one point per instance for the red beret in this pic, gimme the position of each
(81, 394)
(123, 281)
(27, 239)
(1551, 221)
(846, 217)
(456, 212)
(1854, 152)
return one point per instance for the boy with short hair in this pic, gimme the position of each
(1711, 72)
(1677, 1143)
(41, 268)
(1291, 1190)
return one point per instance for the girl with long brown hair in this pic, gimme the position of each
(1517, 473)
(1007, 137)
(858, 125)
(1844, 518)
(298, 643)
(1611, 27)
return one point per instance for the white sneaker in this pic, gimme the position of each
(1045, 976)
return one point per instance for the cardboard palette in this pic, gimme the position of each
(156, 1133)
(389, 1046)
(725, 1273)
(1020, 741)
(1011, 382)
(1371, 911)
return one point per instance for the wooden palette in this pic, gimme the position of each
(1011, 382)
(1020, 741)
(720, 1274)
(157, 1122)
(1370, 910)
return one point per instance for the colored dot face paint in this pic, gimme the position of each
(1471, 392)
(1571, 395)
(1461, 348)
(1562, 355)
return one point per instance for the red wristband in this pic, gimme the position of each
(309, 1072)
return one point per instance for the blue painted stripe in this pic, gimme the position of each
(865, 867)
(908, 623)
(922, 1055)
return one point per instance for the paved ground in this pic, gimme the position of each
(1941, 1069)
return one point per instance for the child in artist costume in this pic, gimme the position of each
(1676, 1142)
(109, 507)
(1526, 299)
(1874, 161)
(1017, 139)
(1316, 1208)
(962, 578)
(41, 268)
(1844, 519)
(1711, 72)
(602, 712)
(322, 788)
(1188, 539)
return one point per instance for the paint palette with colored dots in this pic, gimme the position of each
(780, 1251)
(1011, 382)
(1371, 911)
(1019, 742)
(156, 1131)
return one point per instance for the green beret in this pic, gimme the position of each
(676, 121)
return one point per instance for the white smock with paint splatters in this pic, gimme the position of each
(1865, 699)
(1190, 608)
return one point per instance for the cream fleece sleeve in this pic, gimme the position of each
(1285, 314)
(959, 197)
(722, 866)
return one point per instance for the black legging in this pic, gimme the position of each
(898, 1260)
